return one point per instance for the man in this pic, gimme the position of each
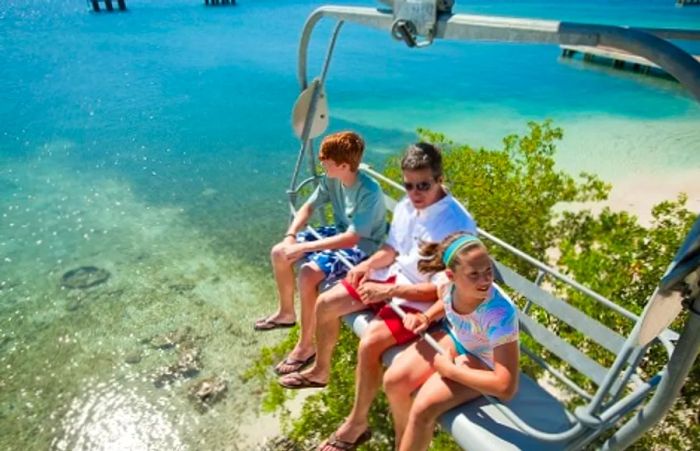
(428, 213)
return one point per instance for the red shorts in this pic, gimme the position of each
(386, 313)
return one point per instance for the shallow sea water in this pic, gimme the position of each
(156, 145)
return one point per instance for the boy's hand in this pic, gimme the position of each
(372, 292)
(415, 322)
(357, 274)
(294, 251)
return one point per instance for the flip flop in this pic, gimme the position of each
(270, 324)
(297, 381)
(344, 445)
(295, 365)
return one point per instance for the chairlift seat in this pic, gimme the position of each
(479, 425)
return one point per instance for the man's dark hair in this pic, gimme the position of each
(423, 155)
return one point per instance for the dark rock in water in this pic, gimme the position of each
(133, 357)
(84, 277)
(204, 394)
(281, 443)
(74, 304)
(172, 338)
(8, 185)
(187, 365)
(182, 287)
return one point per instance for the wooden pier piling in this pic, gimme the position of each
(108, 4)
(219, 2)
(617, 58)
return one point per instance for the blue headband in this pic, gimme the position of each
(456, 246)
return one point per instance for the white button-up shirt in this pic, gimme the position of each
(410, 227)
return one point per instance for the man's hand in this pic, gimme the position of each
(358, 274)
(373, 292)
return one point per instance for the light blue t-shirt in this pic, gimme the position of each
(358, 208)
(493, 323)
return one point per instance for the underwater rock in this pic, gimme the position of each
(182, 287)
(187, 366)
(204, 394)
(281, 443)
(5, 340)
(133, 357)
(84, 277)
(74, 304)
(8, 185)
(172, 338)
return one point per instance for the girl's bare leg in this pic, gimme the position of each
(436, 396)
(409, 370)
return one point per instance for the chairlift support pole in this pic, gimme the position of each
(306, 148)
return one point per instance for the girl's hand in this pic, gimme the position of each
(416, 322)
(443, 364)
(461, 359)
(372, 292)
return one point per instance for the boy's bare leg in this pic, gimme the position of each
(310, 276)
(283, 269)
(368, 379)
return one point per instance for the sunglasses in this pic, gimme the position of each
(420, 186)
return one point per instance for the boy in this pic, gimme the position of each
(360, 223)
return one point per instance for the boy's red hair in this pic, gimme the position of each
(343, 147)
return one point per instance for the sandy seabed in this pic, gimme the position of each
(79, 367)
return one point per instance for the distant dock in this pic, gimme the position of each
(687, 2)
(219, 2)
(619, 59)
(108, 5)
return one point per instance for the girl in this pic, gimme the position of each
(480, 335)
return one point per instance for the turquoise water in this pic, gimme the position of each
(156, 145)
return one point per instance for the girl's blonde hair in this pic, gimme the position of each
(437, 257)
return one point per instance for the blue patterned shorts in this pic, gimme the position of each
(328, 260)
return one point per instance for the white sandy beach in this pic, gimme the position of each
(638, 194)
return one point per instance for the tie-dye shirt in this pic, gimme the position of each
(493, 323)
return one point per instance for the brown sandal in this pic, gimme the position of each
(297, 381)
(343, 445)
(295, 365)
(270, 324)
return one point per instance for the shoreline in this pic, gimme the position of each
(639, 193)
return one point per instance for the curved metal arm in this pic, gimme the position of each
(640, 42)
